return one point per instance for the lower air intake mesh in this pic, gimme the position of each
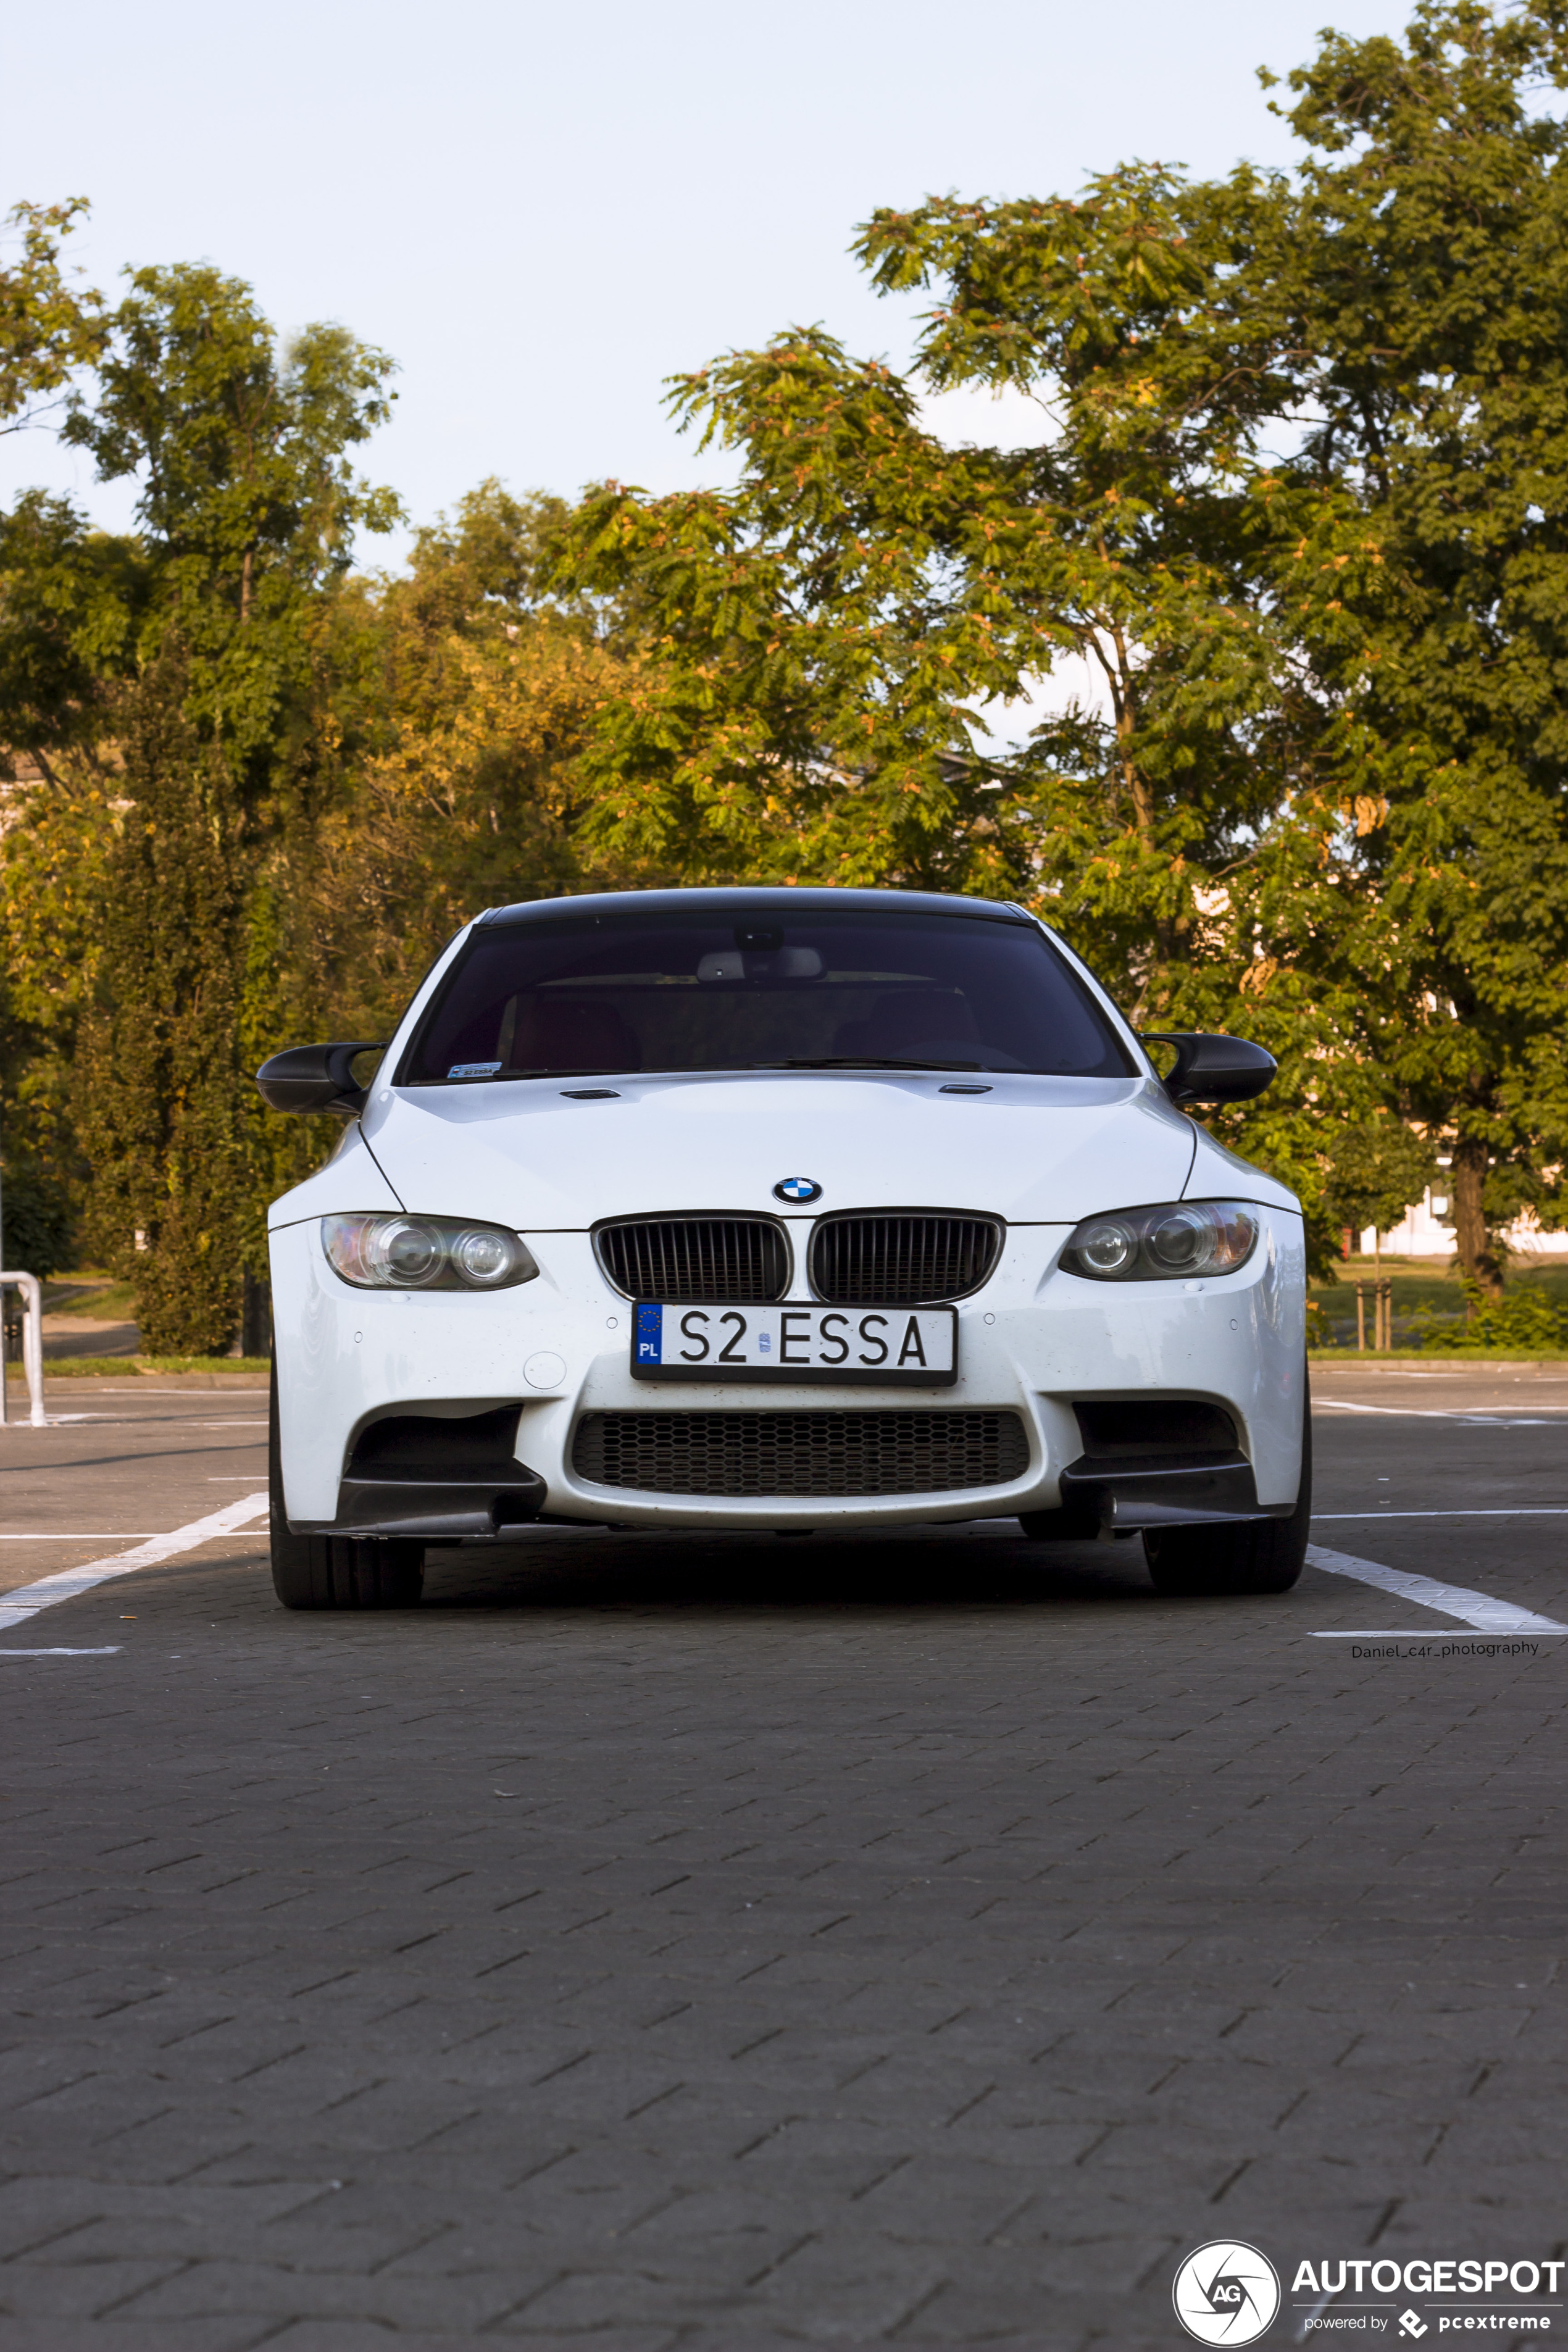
(893, 1453)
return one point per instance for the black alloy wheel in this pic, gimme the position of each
(334, 1572)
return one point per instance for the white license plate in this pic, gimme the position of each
(860, 1347)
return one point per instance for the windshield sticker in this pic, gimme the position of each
(473, 1069)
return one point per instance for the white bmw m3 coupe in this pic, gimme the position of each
(787, 1208)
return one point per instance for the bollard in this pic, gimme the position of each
(32, 1345)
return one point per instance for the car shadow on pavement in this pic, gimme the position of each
(926, 1568)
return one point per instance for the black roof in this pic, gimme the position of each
(741, 899)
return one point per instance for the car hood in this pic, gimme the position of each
(526, 1153)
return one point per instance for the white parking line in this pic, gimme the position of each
(113, 1651)
(127, 1535)
(1501, 1511)
(1478, 1609)
(15, 1607)
(1432, 1412)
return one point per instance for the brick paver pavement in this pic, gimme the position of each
(657, 1943)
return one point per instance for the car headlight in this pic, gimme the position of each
(1176, 1239)
(425, 1253)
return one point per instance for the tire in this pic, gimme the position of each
(334, 1572)
(1260, 1555)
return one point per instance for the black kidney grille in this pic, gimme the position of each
(894, 1260)
(894, 1453)
(696, 1257)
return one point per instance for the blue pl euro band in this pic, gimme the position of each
(650, 1335)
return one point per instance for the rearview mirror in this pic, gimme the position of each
(1213, 1069)
(316, 1078)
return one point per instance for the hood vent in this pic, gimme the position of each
(677, 1258)
(909, 1258)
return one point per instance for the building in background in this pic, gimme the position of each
(1425, 1231)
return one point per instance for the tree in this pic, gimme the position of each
(70, 602)
(170, 697)
(48, 328)
(160, 1113)
(1376, 1170)
(456, 701)
(1424, 286)
(819, 643)
(1296, 499)
(805, 646)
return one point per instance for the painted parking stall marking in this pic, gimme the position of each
(1474, 1609)
(1488, 1511)
(1434, 1412)
(16, 1608)
(106, 1650)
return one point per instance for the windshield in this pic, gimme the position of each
(606, 994)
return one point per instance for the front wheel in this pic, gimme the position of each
(1258, 1556)
(334, 1572)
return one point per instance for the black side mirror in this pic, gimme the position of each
(316, 1078)
(1213, 1069)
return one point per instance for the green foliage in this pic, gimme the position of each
(183, 896)
(168, 692)
(245, 496)
(1376, 1169)
(1522, 1320)
(38, 1220)
(158, 1110)
(1293, 510)
(804, 647)
(88, 1368)
(48, 328)
(1425, 280)
(73, 606)
(1319, 796)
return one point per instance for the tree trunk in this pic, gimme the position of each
(1469, 1176)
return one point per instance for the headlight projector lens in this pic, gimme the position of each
(425, 1253)
(1170, 1243)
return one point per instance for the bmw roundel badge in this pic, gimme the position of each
(797, 1188)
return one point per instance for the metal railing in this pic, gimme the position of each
(32, 1344)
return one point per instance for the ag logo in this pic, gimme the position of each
(797, 1188)
(1226, 2292)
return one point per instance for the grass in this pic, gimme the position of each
(78, 1368)
(1421, 1285)
(90, 1292)
(97, 1295)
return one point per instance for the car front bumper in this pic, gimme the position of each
(1033, 1342)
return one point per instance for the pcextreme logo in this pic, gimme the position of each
(1226, 2292)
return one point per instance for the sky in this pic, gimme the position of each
(541, 213)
